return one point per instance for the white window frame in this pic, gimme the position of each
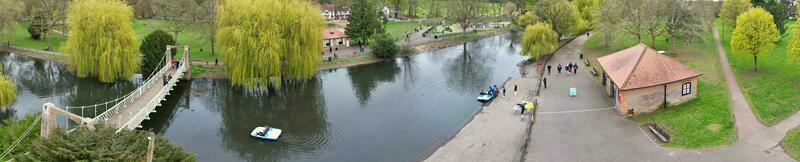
(686, 88)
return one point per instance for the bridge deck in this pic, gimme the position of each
(129, 111)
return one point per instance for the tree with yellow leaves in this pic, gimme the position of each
(755, 34)
(539, 39)
(731, 9)
(8, 90)
(266, 42)
(794, 45)
(101, 40)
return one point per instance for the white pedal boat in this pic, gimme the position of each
(272, 134)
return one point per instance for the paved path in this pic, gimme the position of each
(746, 122)
(750, 129)
(497, 133)
(586, 128)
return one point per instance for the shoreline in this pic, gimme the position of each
(531, 78)
(219, 74)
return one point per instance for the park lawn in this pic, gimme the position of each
(398, 29)
(774, 89)
(704, 122)
(791, 143)
(195, 37)
(20, 37)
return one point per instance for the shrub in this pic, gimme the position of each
(384, 47)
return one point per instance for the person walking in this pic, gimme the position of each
(558, 68)
(216, 62)
(544, 80)
(576, 68)
(504, 91)
(515, 90)
(548, 69)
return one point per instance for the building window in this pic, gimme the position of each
(686, 89)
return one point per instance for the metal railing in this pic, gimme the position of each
(130, 98)
(156, 100)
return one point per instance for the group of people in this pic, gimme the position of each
(493, 90)
(571, 68)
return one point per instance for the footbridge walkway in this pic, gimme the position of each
(128, 111)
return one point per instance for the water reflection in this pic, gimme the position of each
(40, 81)
(366, 77)
(388, 111)
(471, 69)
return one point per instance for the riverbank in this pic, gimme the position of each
(499, 133)
(215, 72)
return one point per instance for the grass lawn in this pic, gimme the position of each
(20, 37)
(196, 38)
(791, 143)
(398, 29)
(704, 122)
(774, 89)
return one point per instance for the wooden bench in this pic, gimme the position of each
(594, 72)
(663, 136)
(587, 63)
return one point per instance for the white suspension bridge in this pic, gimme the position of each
(128, 111)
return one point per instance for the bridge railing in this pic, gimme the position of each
(155, 101)
(113, 111)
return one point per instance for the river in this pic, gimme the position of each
(389, 111)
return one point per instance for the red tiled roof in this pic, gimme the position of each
(333, 34)
(641, 66)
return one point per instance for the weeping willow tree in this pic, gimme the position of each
(101, 40)
(266, 42)
(8, 91)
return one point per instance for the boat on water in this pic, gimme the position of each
(266, 133)
(485, 97)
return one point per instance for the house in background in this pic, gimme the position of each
(640, 80)
(335, 38)
(331, 12)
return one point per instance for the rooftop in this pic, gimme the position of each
(641, 66)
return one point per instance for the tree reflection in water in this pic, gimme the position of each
(471, 70)
(297, 108)
(46, 79)
(366, 77)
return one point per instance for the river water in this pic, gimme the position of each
(389, 111)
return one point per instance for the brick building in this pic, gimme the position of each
(335, 38)
(641, 80)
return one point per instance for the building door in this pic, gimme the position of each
(604, 79)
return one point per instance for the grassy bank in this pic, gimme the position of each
(704, 122)
(398, 29)
(774, 89)
(791, 143)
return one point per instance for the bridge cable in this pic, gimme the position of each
(24, 134)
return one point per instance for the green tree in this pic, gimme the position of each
(529, 18)
(588, 10)
(755, 34)
(464, 13)
(686, 21)
(609, 19)
(384, 47)
(265, 42)
(730, 11)
(780, 10)
(153, 48)
(364, 21)
(562, 15)
(539, 39)
(101, 40)
(794, 44)
(8, 90)
(12, 129)
(11, 11)
(102, 144)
